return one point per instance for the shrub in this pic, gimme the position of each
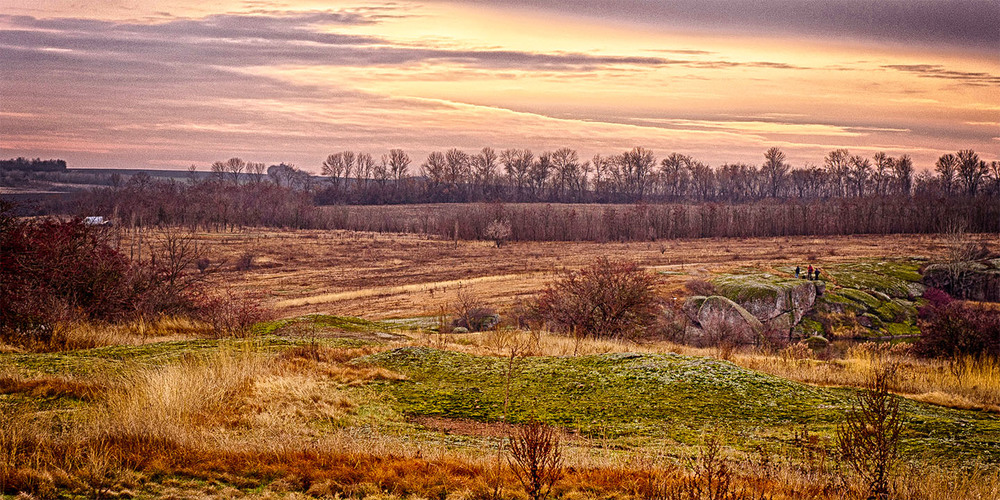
(957, 329)
(607, 299)
(472, 315)
(536, 458)
(53, 272)
(699, 287)
(869, 437)
(231, 313)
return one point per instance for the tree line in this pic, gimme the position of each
(33, 165)
(631, 196)
(519, 175)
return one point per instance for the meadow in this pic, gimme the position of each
(354, 390)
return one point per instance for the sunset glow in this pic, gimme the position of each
(143, 85)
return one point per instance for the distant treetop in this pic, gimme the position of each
(35, 165)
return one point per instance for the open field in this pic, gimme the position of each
(378, 276)
(348, 393)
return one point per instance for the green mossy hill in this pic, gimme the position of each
(668, 395)
(879, 295)
(893, 278)
(747, 287)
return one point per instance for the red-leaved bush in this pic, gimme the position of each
(54, 271)
(951, 328)
(607, 299)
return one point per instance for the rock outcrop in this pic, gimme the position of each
(778, 303)
(717, 319)
(972, 280)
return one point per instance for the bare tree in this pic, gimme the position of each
(484, 167)
(947, 169)
(837, 164)
(434, 168)
(399, 162)
(859, 173)
(881, 174)
(333, 167)
(902, 170)
(774, 170)
(517, 164)
(218, 170)
(675, 172)
(235, 167)
(636, 170)
(971, 170)
(256, 171)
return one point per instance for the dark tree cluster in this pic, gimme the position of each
(519, 175)
(34, 165)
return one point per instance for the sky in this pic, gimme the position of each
(145, 84)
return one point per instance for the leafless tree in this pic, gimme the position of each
(947, 169)
(902, 170)
(675, 172)
(235, 167)
(837, 164)
(399, 162)
(435, 168)
(971, 170)
(774, 170)
(859, 173)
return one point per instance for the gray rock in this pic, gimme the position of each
(723, 319)
(692, 305)
(973, 280)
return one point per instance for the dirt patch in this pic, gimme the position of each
(474, 428)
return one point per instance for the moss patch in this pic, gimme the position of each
(661, 396)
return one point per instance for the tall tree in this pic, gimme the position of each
(902, 170)
(837, 164)
(774, 170)
(947, 169)
(971, 170)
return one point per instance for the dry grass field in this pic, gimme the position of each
(379, 276)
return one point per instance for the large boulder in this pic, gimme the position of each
(768, 297)
(722, 320)
(972, 280)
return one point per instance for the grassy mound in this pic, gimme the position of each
(662, 396)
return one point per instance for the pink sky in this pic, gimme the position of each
(137, 84)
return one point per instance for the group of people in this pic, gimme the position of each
(812, 273)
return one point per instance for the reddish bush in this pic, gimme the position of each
(951, 328)
(607, 299)
(53, 271)
(231, 313)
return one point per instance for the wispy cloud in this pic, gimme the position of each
(940, 72)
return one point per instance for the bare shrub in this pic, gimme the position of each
(536, 458)
(231, 313)
(699, 287)
(868, 439)
(55, 272)
(607, 299)
(244, 262)
(499, 231)
(472, 315)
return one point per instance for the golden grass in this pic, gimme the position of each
(294, 424)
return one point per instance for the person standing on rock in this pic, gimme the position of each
(798, 272)
(816, 273)
(809, 272)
